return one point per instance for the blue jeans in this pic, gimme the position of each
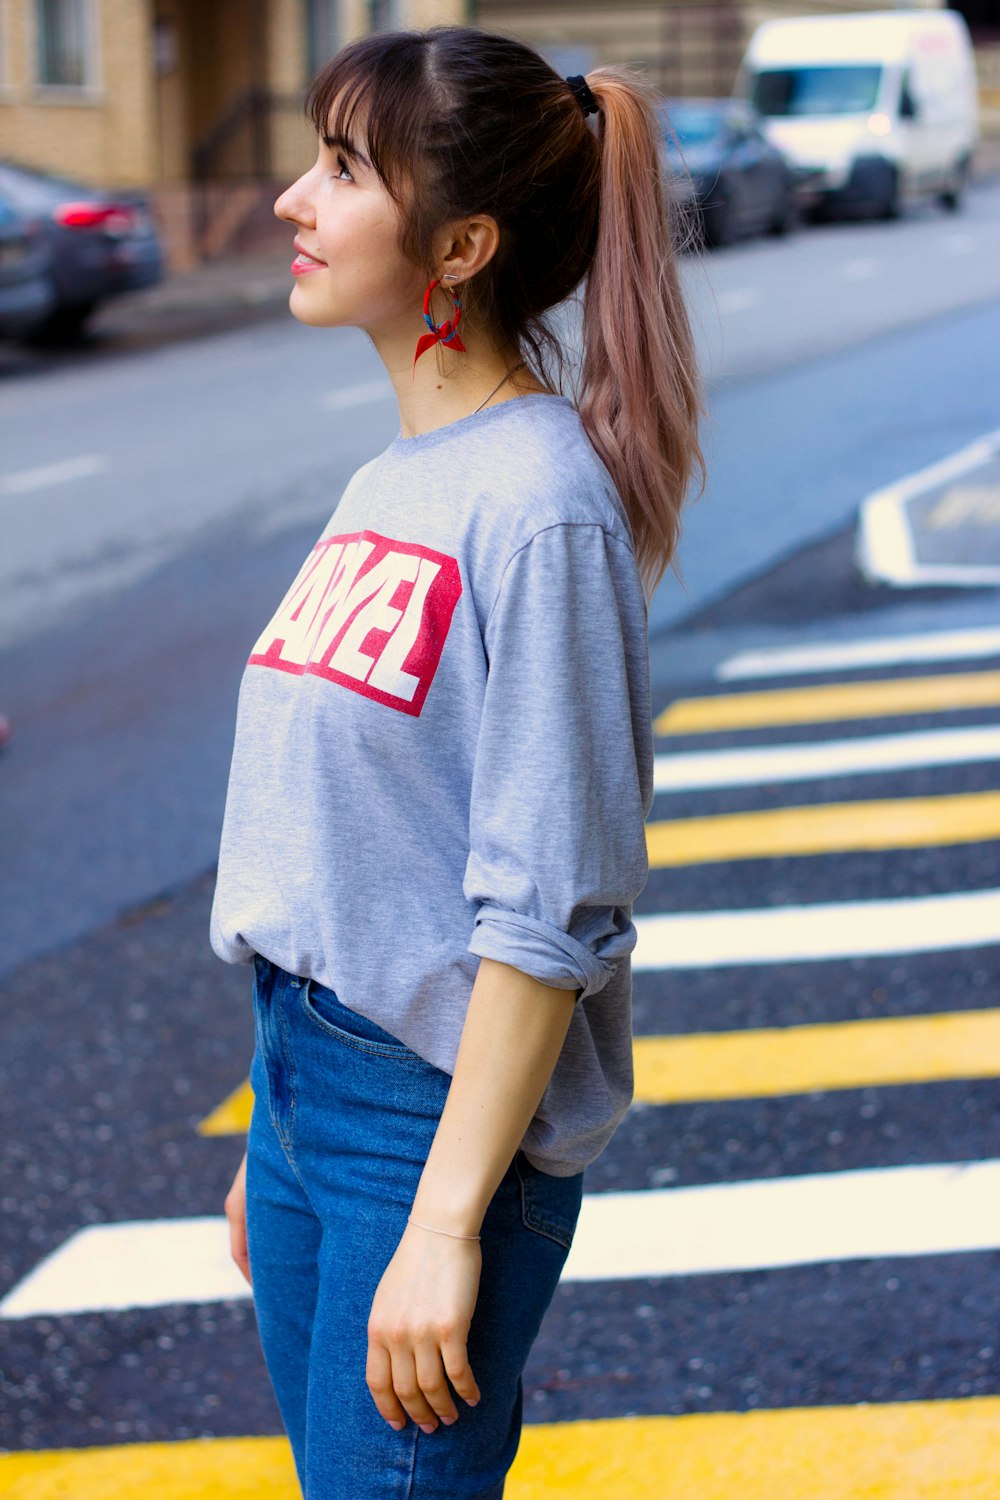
(343, 1120)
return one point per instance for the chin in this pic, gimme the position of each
(313, 316)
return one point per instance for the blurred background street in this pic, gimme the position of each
(785, 1281)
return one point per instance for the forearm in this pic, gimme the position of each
(511, 1040)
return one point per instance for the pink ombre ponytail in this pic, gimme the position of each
(640, 393)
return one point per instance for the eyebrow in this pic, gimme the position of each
(348, 147)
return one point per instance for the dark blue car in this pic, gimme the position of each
(99, 243)
(27, 293)
(729, 177)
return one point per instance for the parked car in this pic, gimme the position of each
(27, 292)
(724, 169)
(872, 108)
(100, 243)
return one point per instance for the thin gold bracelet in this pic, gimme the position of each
(444, 1231)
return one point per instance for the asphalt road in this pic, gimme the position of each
(132, 592)
(105, 1126)
(151, 500)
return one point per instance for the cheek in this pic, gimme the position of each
(389, 275)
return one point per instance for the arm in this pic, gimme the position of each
(512, 1037)
(557, 852)
(420, 1318)
(561, 787)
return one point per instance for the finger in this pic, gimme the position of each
(238, 1244)
(430, 1378)
(455, 1355)
(378, 1374)
(243, 1261)
(407, 1387)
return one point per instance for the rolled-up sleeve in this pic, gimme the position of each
(562, 780)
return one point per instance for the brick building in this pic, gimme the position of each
(200, 104)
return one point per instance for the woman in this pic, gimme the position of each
(434, 830)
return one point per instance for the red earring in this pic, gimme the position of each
(443, 333)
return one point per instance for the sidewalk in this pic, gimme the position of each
(206, 299)
(245, 288)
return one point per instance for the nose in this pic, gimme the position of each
(290, 205)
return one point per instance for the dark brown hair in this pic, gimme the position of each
(457, 121)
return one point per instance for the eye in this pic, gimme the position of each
(341, 163)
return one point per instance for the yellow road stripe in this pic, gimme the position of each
(790, 1060)
(220, 1468)
(232, 1117)
(928, 1450)
(819, 705)
(799, 1059)
(901, 823)
(914, 1450)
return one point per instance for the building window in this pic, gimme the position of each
(63, 43)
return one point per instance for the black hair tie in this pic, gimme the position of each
(585, 98)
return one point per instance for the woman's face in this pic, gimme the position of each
(345, 217)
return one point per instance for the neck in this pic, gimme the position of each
(447, 385)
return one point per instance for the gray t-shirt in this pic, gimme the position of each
(444, 752)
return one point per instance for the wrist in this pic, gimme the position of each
(453, 1235)
(453, 1211)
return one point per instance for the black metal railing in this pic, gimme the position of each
(237, 149)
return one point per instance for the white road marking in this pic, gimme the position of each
(885, 545)
(965, 504)
(48, 474)
(738, 299)
(358, 395)
(846, 656)
(787, 1221)
(862, 268)
(141, 1263)
(809, 761)
(805, 934)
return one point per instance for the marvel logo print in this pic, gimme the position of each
(367, 612)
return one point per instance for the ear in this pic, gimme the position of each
(464, 247)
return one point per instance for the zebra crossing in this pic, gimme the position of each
(780, 891)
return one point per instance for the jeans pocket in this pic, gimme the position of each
(549, 1205)
(325, 1010)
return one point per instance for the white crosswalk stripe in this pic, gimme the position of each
(786, 1221)
(810, 934)
(847, 656)
(761, 766)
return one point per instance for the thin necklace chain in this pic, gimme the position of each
(499, 384)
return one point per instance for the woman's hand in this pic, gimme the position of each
(236, 1213)
(419, 1326)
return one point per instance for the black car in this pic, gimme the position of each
(99, 243)
(733, 181)
(27, 293)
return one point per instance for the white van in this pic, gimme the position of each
(870, 108)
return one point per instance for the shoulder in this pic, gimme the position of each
(557, 475)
